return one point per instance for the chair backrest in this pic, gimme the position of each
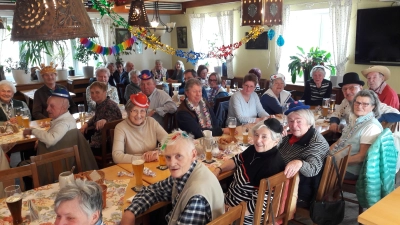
(105, 159)
(329, 184)
(264, 83)
(169, 122)
(57, 162)
(121, 93)
(282, 200)
(8, 176)
(233, 214)
(219, 100)
(391, 126)
(222, 113)
(260, 92)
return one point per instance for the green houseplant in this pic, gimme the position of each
(83, 55)
(71, 71)
(18, 69)
(61, 56)
(302, 63)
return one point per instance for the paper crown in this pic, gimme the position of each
(146, 75)
(278, 75)
(140, 100)
(60, 92)
(48, 69)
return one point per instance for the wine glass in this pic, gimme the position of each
(232, 123)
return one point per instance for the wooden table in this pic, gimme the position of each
(29, 95)
(385, 212)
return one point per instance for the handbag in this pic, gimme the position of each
(328, 212)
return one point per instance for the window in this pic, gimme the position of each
(307, 28)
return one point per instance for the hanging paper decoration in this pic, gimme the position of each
(107, 50)
(271, 34)
(280, 42)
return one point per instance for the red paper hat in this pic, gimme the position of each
(140, 100)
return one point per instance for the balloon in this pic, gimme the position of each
(271, 34)
(280, 42)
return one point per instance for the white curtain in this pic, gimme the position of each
(3, 34)
(197, 28)
(106, 34)
(225, 24)
(280, 30)
(340, 13)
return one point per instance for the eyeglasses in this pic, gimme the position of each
(211, 80)
(361, 103)
(248, 86)
(351, 88)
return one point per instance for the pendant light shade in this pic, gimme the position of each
(48, 20)
(138, 14)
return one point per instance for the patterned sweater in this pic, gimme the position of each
(314, 95)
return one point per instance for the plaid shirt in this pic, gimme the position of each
(197, 210)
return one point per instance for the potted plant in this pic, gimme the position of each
(71, 71)
(83, 55)
(62, 74)
(302, 63)
(19, 70)
(31, 52)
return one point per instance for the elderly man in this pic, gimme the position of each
(79, 202)
(102, 75)
(7, 103)
(191, 73)
(125, 75)
(159, 71)
(376, 80)
(195, 193)
(350, 87)
(114, 77)
(134, 86)
(160, 102)
(39, 109)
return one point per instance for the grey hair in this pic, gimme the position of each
(88, 193)
(110, 63)
(126, 63)
(181, 63)
(137, 72)
(374, 100)
(158, 61)
(10, 84)
(129, 106)
(274, 136)
(217, 76)
(177, 137)
(306, 114)
(271, 83)
(191, 82)
(317, 68)
(102, 69)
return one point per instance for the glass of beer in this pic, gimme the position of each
(18, 115)
(161, 160)
(245, 133)
(228, 85)
(209, 153)
(333, 100)
(232, 125)
(325, 107)
(81, 109)
(25, 118)
(14, 202)
(138, 165)
(164, 79)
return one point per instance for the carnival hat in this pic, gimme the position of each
(274, 125)
(145, 75)
(276, 76)
(351, 78)
(380, 69)
(48, 69)
(140, 100)
(60, 92)
(296, 105)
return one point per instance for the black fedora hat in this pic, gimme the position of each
(351, 78)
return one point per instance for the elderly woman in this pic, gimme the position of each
(79, 202)
(7, 103)
(275, 98)
(194, 114)
(258, 161)
(304, 151)
(177, 76)
(317, 88)
(361, 132)
(202, 72)
(102, 75)
(106, 111)
(134, 86)
(138, 133)
(245, 105)
(159, 71)
(216, 90)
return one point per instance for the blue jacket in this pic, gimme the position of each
(377, 174)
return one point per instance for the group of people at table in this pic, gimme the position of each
(193, 189)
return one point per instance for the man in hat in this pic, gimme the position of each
(160, 102)
(39, 109)
(62, 120)
(376, 80)
(350, 87)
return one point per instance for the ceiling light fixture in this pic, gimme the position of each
(137, 15)
(157, 24)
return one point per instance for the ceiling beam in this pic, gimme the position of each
(199, 3)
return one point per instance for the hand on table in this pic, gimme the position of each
(13, 120)
(100, 124)
(292, 168)
(27, 132)
(150, 156)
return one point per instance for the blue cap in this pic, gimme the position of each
(146, 75)
(60, 92)
(294, 106)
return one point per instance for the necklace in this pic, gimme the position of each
(254, 158)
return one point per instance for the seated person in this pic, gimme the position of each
(274, 100)
(350, 87)
(124, 76)
(216, 90)
(177, 76)
(106, 111)
(80, 202)
(190, 73)
(195, 193)
(317, 88)
(138, 133)
(257, 72)
(258, 161)
(304, 151)
(202, 72)
(194, 114)
(134, 86)
(8, 104)
(159, 72)
(113, 80)
(102, 75)
(361, 132)
(245, 104)
(62, 120)
(39, 109)
(119, 70)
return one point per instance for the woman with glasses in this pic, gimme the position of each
(317, 88)
(245, 105)
(361, 132)
(275, 98)
(216, 90)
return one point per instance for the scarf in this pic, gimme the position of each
(206, 122)
(212, 93)
(7, 109)
(283, 97)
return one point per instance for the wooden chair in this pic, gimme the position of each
(281, 206)
(329, 185)
(105, 159)
(234, 214)
(219, 100)
(50, 165)
(8, 176)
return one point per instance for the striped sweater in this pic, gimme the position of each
(314, 95)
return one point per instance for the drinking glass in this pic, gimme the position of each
(232, 125)
(137, 166)
(333, 100)
(285, 107)
(25, 118)
(228, 85)
(161, 160)
(325, 107)
(65, 178)
(18, 115)
(235, 85)
(81, 109)
(245, 133)
(14, 202)
(209, 153)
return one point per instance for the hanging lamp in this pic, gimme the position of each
(137, 14)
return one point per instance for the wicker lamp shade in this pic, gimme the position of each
(48, 20)
(137, 14)
(261, 12)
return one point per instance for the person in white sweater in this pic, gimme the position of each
(137, 134)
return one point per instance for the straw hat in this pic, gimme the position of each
(380, 69)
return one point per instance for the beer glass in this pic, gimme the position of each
(18, 115)
(333, 100)
(81, 109)
(245, 133)
(228, 85)
(161, 160)
(14, 202)
(325, 107)
(232, 125)
(208, 153)
(137, 166)
(25, 117)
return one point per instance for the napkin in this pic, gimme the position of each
(148, 172)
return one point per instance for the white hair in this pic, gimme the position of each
(8, 83)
